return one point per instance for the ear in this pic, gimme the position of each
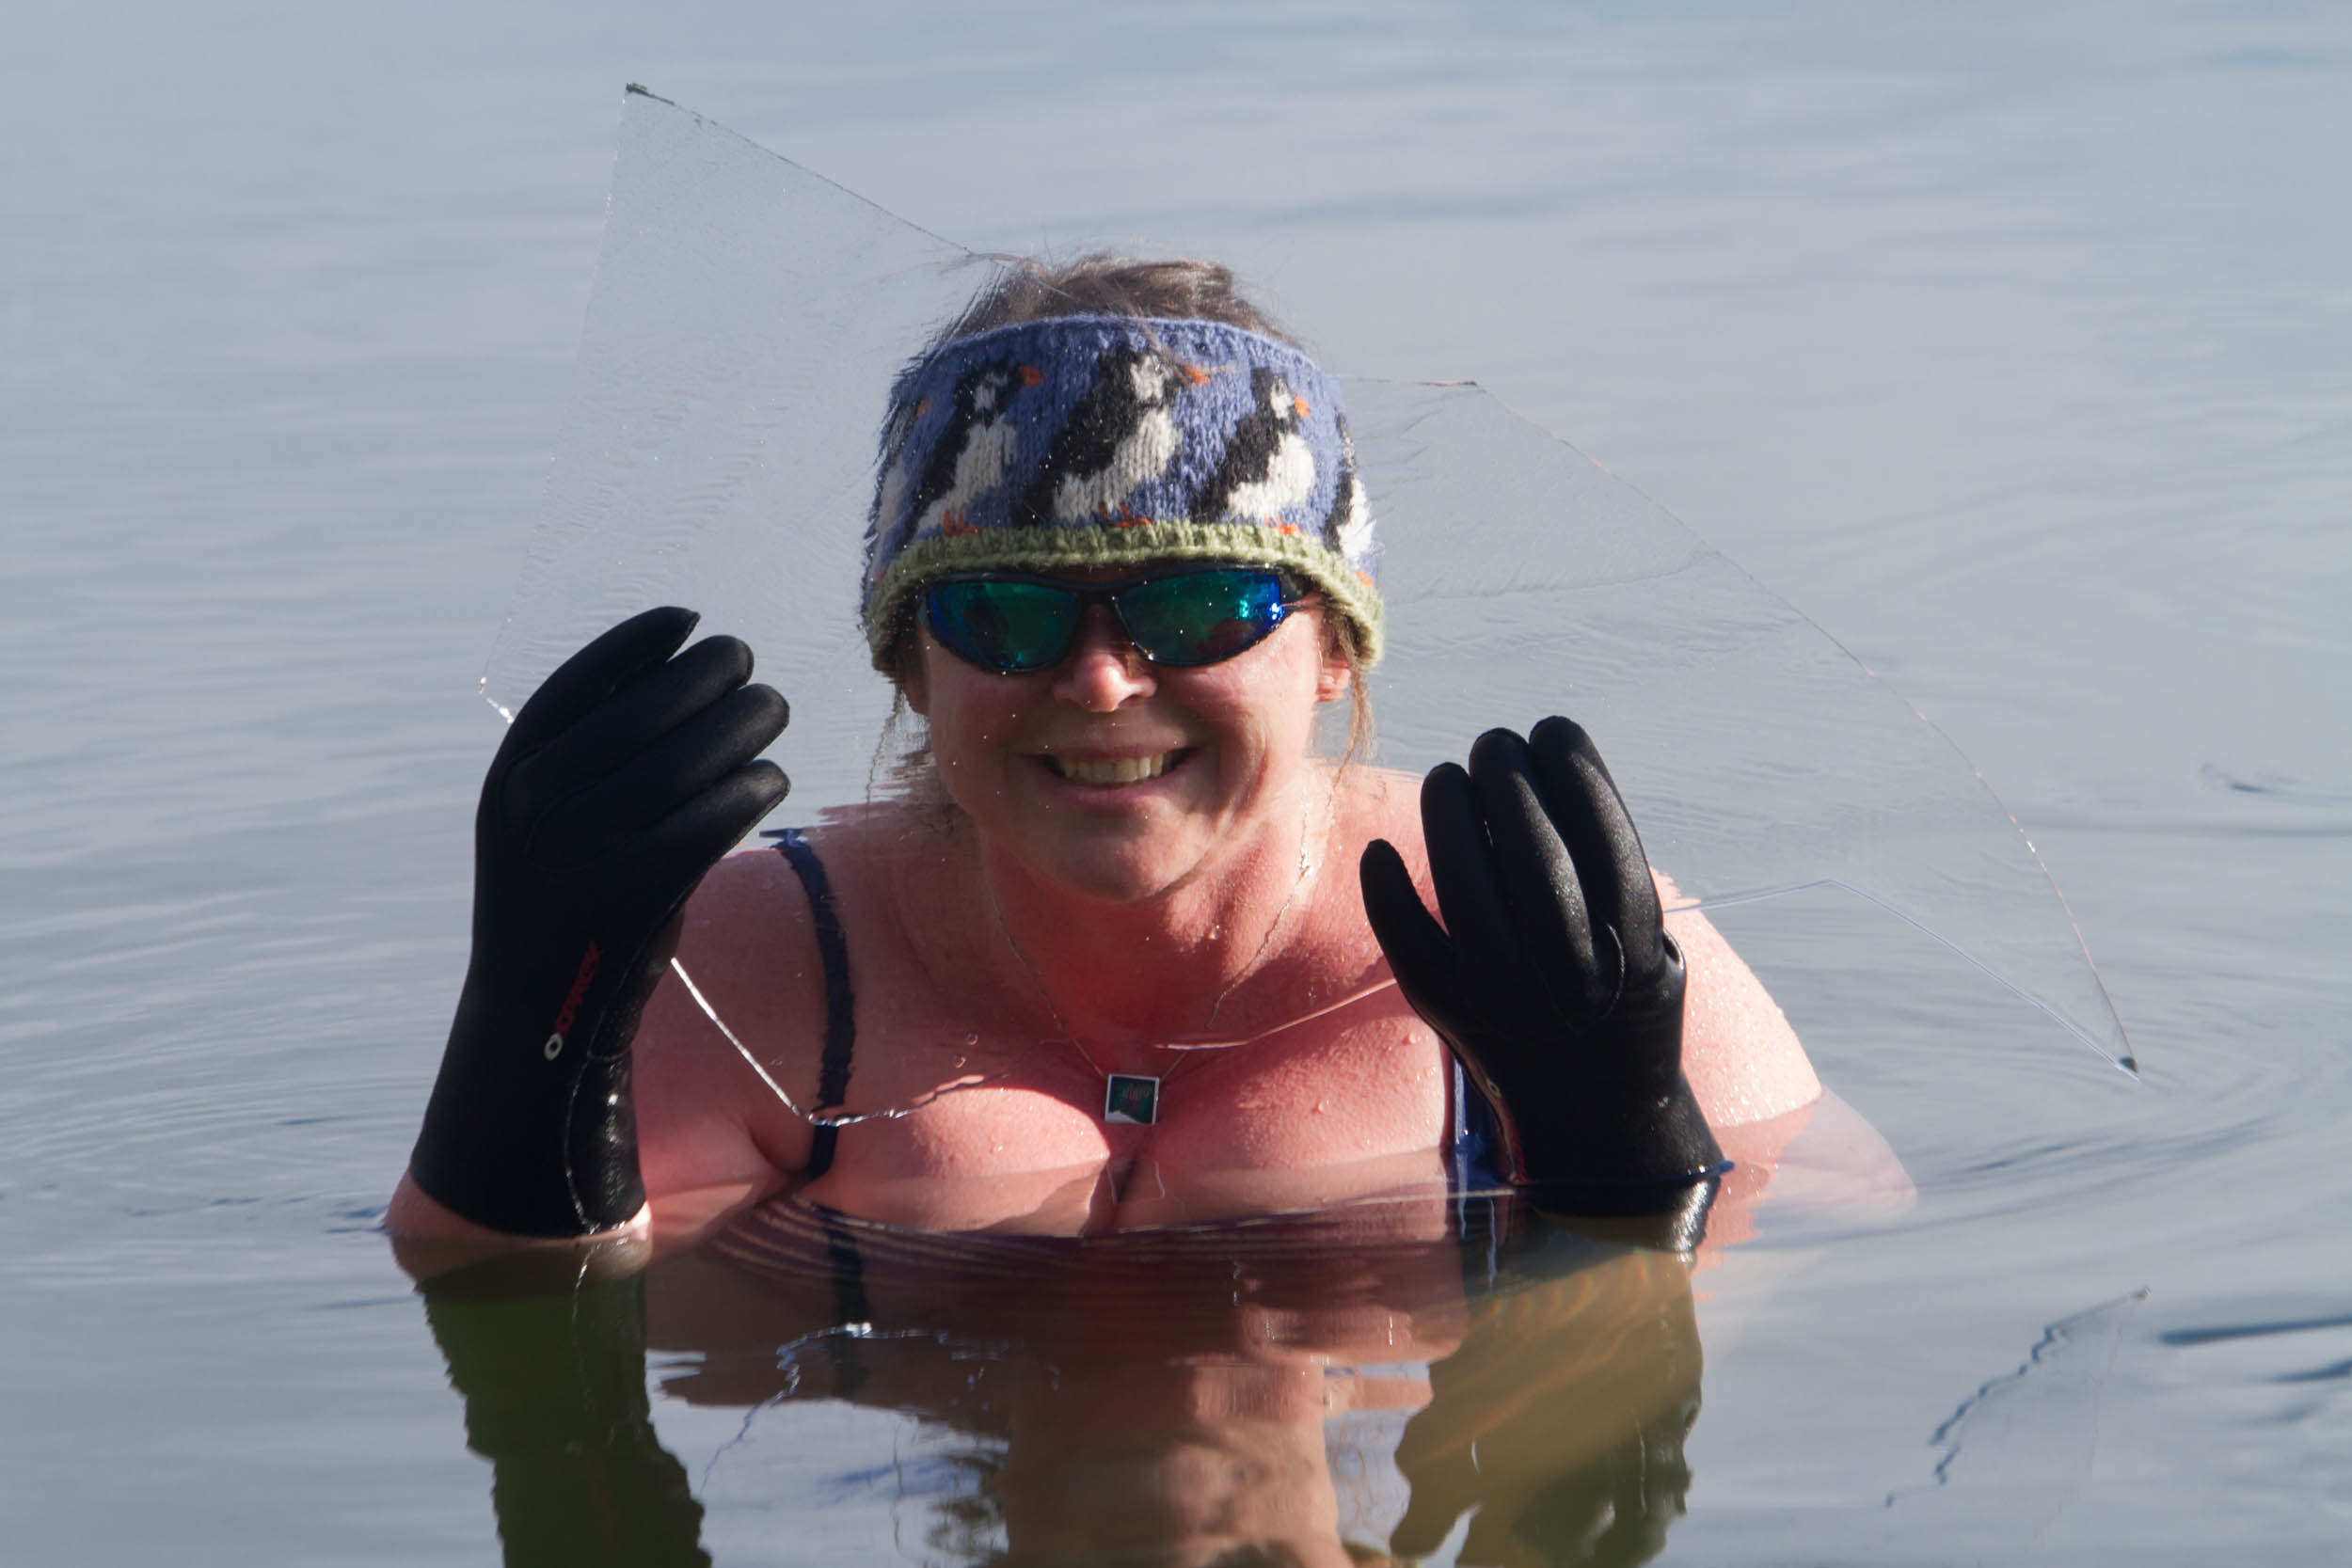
(1334, 678)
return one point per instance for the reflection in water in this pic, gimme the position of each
(1164, 1397)
(554, 1384)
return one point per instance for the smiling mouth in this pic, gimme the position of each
(1115, 772)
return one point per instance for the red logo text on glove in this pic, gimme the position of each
(572, 1000)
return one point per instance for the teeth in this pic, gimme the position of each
(1112, 770)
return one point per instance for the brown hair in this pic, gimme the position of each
(1103, 284)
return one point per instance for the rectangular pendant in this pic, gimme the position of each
(1130, 1098)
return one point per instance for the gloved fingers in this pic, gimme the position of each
(671, 772)
(604, 740)
(1419, 951)
(1601, 839)
(1470, 896)
(609, 662)
(1539, 878)
(705, 828)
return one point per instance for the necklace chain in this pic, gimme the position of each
(1307, 868)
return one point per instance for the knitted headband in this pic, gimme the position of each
(1083, 441)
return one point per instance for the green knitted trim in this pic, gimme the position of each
(1046, 549)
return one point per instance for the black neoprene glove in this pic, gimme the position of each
(1552, 979)
(627, 775)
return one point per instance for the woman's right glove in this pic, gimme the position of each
(1552, 979)
(621, 781)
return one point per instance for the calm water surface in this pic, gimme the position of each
(2014, 346)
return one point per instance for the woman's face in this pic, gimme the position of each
(1117, 777)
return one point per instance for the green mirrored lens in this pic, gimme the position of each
(1011, 626)
(1202, 617)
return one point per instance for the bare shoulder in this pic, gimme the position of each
(738, 1027)
(742, 1007)
(1744, 1062)
(1381, 802)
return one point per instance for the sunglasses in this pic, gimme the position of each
(1017, 625)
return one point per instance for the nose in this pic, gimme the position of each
(1104, 670)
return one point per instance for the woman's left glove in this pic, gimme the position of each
(621, 781)
(1552, 979)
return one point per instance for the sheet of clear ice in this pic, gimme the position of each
(746, 319)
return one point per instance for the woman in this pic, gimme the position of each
(1112, 969)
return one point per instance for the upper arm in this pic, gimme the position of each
(704, 1115)
(1744, 1062)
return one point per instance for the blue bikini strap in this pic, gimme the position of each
(833, 952)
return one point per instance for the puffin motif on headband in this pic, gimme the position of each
(1120, 437)
(1083, 441)
(973, 451)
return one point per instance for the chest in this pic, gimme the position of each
(1356, 1102)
